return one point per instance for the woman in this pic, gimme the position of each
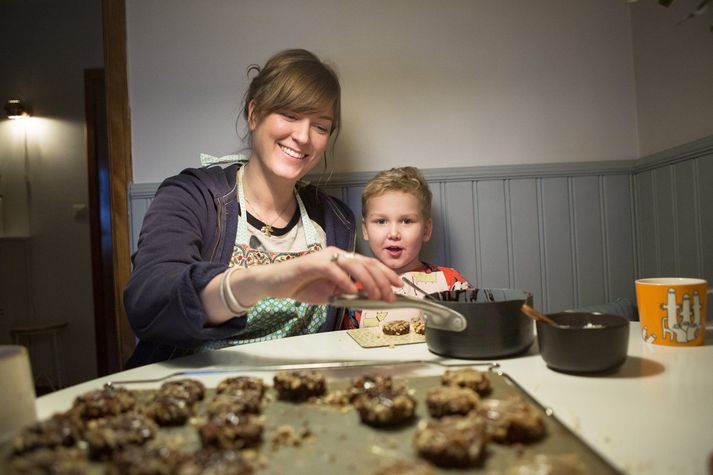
(247, 253)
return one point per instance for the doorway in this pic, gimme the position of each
(105, 328)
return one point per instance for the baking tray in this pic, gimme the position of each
(342, 444)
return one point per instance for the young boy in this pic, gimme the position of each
(396, 221)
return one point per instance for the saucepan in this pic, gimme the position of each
(496, 325)
(470, 324)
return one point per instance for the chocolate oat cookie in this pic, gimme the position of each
(368, 382)
(467, 378)
(188, 389)
(232, 431)
(169, 410)
(143, 460)
(386, 407)
(104, 437)
(396, 327)
(241, 383)
(299, 385)
(60, 461)
(512, 420)
(451, 400)
(419, 327)
(59, 430)
(452, 441)
(239, 401)
(108, 401)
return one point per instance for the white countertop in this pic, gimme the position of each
(653, 416)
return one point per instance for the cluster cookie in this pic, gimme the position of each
(467, 378)
(452, 441)
(299, 386)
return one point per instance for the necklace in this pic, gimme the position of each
(267, 229)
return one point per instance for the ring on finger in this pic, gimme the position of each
(334, 258)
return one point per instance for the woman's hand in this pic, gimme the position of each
(312, 278)
(315, 277)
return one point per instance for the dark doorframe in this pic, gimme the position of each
(119, 162)
(105, 328)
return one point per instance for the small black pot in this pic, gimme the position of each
(496, 326)
(584, 342)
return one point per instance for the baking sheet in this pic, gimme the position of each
(374, 337)
(341, 444)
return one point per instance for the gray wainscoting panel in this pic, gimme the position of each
(435, 249)
(618, 232)
(353, 199)
(560, 275)
(574, 234)
(140, 197)
(686, 222)
(525, 239)
(588, 241)
(705, 208)
(544, 232)
(665, 210)
(647, 225)
(674, 219)
(492, 231)
(458, 217)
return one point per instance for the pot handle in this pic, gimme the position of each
(437, 316)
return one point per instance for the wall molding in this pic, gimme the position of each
(697, 149)
(143, 190)
(681, 153)
(493, 172)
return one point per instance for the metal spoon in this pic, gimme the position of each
(535, 315)
(436, 315)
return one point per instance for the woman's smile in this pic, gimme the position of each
(291, 152)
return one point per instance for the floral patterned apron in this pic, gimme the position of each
(273, 318)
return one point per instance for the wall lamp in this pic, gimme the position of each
(16, 109)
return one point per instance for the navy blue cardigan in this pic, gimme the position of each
(186, 239)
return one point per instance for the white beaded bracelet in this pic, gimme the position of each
(227, 297)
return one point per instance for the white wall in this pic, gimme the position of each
(429, 83)
(674, 74)
(46, 47)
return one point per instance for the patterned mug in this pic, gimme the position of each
(672, 310)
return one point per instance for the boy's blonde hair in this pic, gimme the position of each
(404, 179)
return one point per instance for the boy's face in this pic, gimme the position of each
(396, 229)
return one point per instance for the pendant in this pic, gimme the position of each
(266, 230)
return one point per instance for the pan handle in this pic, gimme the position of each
(437, 316)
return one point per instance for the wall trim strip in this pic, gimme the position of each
(688, 151)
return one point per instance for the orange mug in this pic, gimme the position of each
(672, 310)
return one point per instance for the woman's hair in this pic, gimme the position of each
(404, 179)
(294, 80)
